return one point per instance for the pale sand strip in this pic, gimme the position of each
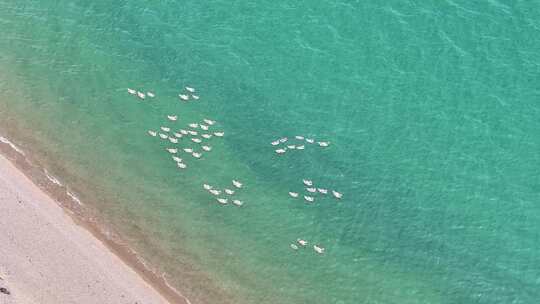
(46, 258)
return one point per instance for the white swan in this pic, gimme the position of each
(337, 194)
(219, 134)
(275, 142)
(141, 95)
(165, 129)
(207, 148)
(291, 147)
(237, 184)
(229, 191)
(191, 132)
(209, 122)
(207, 187)
(302, 242)
(307, 182)
(309, 198)
(207, 136)
(238, 203)
(323, 143)
(281, 151)
(196, 155)
(294, 247)
(196, 140)
(293, 194)
(173, 140)
(319, 250)
(172, 150)
(312, 190)
(190, 89)
(152, 133)
(193, 125)
(299, 137)
(177, 159)
(150, 94)
(183, 96)
(188, 150)
(179, 135)
(282, 140)
(323, 191)
(309, 140)
(181, 165)
(300, 147)
(172, 117)
(132, 91)
(204, 127)
(196, 97)
(222, 201)
(163, 136)
(214, 192)
(184, 132)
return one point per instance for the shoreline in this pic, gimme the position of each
(61, 196)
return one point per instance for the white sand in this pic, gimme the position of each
(46, 258)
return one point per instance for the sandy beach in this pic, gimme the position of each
(45, 257)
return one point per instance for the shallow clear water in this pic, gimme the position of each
(431, 109)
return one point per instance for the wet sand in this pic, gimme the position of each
(45, 257)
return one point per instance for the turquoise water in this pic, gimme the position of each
(431, 109)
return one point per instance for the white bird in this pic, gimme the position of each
(207, 136)
(237, 184)
(214, 191)
(302, 242)
(307, 182)
(204, 127)
(173, 140)
(309, 198)
(323, 191)
(181, 165)
(238, 203)
(312, 190)
(179, 135)
(188, 150)
(193, 125)
(172, 117)
(208, 121)
(282, 140)
(337, 194)
(229, 191)
(132, 91)
(293, 246)
(293, 194)
(300, 147)
(183, 96)
(207, 148)
(165, 129)
(323, 143)
(207, 187)
(172, 150)
(222, 201)
(192, 132)
(141, 95)
(196, 155)
(299, 137)
(183, 131)
(292, 147)
(281, 151)
(219, 134)
(152, 133)
(275, 142)
(196, 97)
(319, 250)
(196, 140)
(177, 159)
(309, 140)
(150, 94)
(190, 89)
(163, 136)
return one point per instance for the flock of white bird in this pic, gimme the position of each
(284, 144)
(227, 192)
(198, 133)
